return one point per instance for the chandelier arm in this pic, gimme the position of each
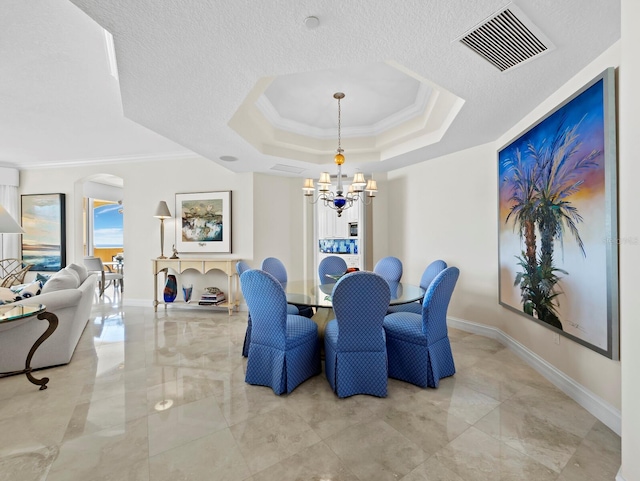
(320, 197)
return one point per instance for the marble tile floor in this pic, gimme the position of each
(162, 397)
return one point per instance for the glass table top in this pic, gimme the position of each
(312, 293)
(13, 312)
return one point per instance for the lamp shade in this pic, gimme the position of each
(358, 182)
(372, 186)
(162, 212)
(7, 224)
(325, 178)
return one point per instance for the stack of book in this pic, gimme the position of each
(209, 299)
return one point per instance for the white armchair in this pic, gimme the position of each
(94, 264)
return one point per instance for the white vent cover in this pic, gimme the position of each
(507, 39)
(287, 168)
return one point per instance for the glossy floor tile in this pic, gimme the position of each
(161, 396)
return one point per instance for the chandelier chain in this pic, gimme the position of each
(339, 127)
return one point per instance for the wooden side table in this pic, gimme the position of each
(19, 312)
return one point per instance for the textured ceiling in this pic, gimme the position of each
(185, 68)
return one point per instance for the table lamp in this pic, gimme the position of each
(162, 213)
(7, 226)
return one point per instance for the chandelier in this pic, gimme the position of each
(360, 189)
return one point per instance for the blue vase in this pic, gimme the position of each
(186, 292)
(170, 289)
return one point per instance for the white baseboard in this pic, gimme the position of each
(137, 302)
(601, 409)
(619, 476)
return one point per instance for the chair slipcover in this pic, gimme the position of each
(284, 350)
(354, 342)
(331, 265)
(276, 268)
(390, 268)
(241, 267)
(418, 345)
(429, 274)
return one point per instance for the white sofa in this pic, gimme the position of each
(70, 297)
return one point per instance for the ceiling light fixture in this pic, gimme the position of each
(338, 201)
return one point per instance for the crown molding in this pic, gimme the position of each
(112, 160)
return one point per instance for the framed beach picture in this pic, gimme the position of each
(557, 235)
(43, 241)
(203, 222)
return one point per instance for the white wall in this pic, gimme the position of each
(629, 173)
(447, 208)
(145, 184)
(278, 222)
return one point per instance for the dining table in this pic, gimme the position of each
(312, 293)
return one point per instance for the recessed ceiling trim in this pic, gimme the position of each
(423, 95)
(507, 39)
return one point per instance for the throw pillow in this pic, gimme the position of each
(59, 281)
(31, 290)
(81, 270)
(75, 274)
(31, 287)
(43, 278)
(7, 296)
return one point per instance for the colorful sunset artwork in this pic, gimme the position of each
(43, 241)
(557, 220)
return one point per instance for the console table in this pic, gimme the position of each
(228, 266)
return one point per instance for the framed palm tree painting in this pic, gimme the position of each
(557, 234)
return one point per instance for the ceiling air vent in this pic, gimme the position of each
(507, 39)
(287, 168)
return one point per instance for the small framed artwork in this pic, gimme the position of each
(203, 222)
(558, 236)
(43, 241)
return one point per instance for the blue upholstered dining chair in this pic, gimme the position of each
(284, 350)
(331, 265)
(276, 268)
(390, 268)
(354, 342)
(429, 274)
(241, 267)
(418, 345)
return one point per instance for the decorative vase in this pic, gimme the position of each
(170, 289)
(186, 292)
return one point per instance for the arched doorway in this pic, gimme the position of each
(102, 223)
